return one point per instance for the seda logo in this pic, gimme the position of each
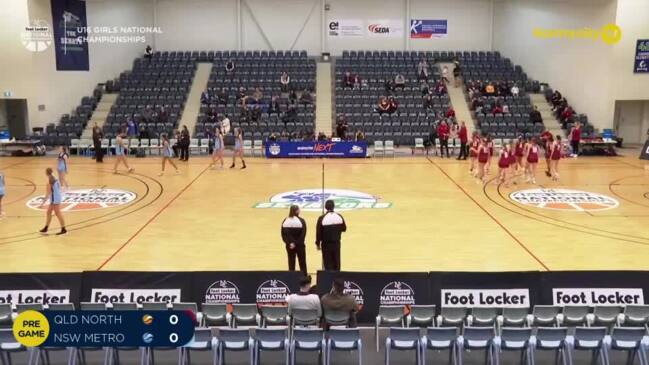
(354, 290)
(378, 29)
(272, 292)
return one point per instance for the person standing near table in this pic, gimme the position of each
(464, 139)
(97, 135)
(329, 228)
(184, 144)
(293, 233)
(575, 139)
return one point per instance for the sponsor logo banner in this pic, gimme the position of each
(352, 288)
(312, 200)
(272, 292)
(345, 28)
(222, 292)
(564, 199)
(427, 29)
(397, 293)
(87, 199)
(476, 298)
(101, 295)
(70, 44)
(385, 28)
(316, 149)
(45, 296)
(641, 63)
(597, 296)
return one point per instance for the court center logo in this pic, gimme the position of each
(564, 199)
(272, 292)
(397, 293)
(87, 199)
(222, 292)
(37, 36)
(312, 200)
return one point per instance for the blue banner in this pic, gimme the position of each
(641, 63)
(315, 149)
(70, 44)
(427, 29)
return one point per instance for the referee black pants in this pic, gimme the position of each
(299, 253)
(443, 144)
(331, 255)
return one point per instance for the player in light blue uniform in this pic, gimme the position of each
(238, 148)
(2, 192)
(55, 197)
(167, 154)
(120, 152)
(217, 155)
(63, 162)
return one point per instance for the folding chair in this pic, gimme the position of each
(203, 341)
(304, 317)
(573, 316)
(9, 345)
(552, 339)
(421, 316)
(266, 339)
(336, 318)
(634, 316)
(344, 339)
(215, 315)
(403, 339)
(5, 316)
(513, 317)
(61, 307)
(258, 146)
(188, 306)
(231, 339)
(440, 338)
(378, 148)
(125, 306)
(515, 339)
(419, 145)
(244, 315)
(274, 316)
(604, 316)
(590, 339)
(478, 338)
(155, 306)
(543, 316)
(482, 317)
(87, 306)
(388, 148)
(390, 315)
(307, 339)
(247, 147)
(451, 316)
(629, 339)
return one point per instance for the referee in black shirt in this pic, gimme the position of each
(330, 227)
(293, 233)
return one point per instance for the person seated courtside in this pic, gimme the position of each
(337, 300)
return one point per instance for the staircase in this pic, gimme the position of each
(193, 103)
(458, 100)
(323, 120)
(99, 114)
(549, 121)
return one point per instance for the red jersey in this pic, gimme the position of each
(442, 131)
(512, 157)
(474, 147)
(519, 149)
(556, 151)
(490, 144)
(483, 154)
(503, 161)
(533, 154)
(575, 134)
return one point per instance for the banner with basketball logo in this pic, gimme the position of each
(372, 290)
(40, 288)
(70, 42)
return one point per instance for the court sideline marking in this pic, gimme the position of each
(152, 219)
(491, 216)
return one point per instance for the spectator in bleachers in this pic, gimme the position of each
(225, 125)
(322, 137)
(383, 106)
(284, 137)
(428, 101)
(450, 112)
(445, 74)
(257, 95)
(489, 89)
(292, 97)
(306, 97)
(205, 97)
(399, 81)
(341, 128)
(285, 81)
(566, 116)
(505, 108)
(535, 116)
(464, 139)
(290, 115)
(394, 105)
(148, 52)
(358, 83)
(457, 73)
(359, 137)
(389, 86)
(229, 66)
(274, 107)
(440, 88)
(131, 128)
(514, 90)
(497, 109)
(304, 299)
(502, 89)
(147, 114)
(556, 98)
(184, 144)
(242, 93)
(163, 116)
(473, 90)
(272, 137)
(425, 88)
(348, 80)
(443, 133)
(422, 70)
(222, 96)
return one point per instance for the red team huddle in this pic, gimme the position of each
(515, 158)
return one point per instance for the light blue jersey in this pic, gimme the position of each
(217, 143)
(2, 185)
(119, 149)
(62, 165)
(56, 196)
(167, 150)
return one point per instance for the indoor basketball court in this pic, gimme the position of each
(412, 214)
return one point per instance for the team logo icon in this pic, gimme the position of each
(87, 199)
(564, 199)
(313, 199)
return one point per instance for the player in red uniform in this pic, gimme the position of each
(555, 156)
(532, 157)
(473, 152)
(490, 147)
(503, 165)
(512, 162)
(483, 159)
(546, 138)
(519, 152)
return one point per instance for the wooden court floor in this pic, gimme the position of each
(429, 215)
